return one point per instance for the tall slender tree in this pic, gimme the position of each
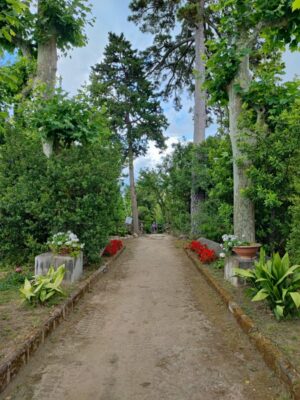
(40, 32)
(119, 82)
(178, 58)
(248, 28)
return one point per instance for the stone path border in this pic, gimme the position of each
(272, 356)
(10, 368)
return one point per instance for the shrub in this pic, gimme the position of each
(277, 282)
(294, 239)
(44, 287)
(77, 190)
(13, 280)
(113, 247)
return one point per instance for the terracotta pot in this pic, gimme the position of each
(247, 251)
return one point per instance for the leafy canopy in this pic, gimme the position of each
(23, 27)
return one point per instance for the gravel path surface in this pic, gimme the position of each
(151, 329)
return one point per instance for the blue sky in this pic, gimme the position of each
(112, 16)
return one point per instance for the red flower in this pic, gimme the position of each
(113, 247)
(205, 254)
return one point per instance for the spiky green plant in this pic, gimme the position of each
(44, 287)
(275, 281)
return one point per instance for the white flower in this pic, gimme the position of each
(222, 255)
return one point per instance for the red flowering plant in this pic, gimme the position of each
(113, 247)
(205, 254)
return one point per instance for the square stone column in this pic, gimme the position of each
(232, 262)
(73, 265)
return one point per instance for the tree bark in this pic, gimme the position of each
(46, 69)
(199, 107)
(244, 219)
(200, 92)
(134, 206)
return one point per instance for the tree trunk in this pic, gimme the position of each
(200, 92)
(244, 219)
(199, 107)
(46, 69)
(134, 206)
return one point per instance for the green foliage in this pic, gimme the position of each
(23, 27)
(273, 151)
(294, 236)
(120, 84)
(296, 5)
(13, 280)
(170, 58)
(150, 190)
(245, 28)
(169, 187)
(64, 119)
(44, 287)
(67, 18)
(10, 11)
(77, 190)
(215, 182)
(177, 174)
(276, 281)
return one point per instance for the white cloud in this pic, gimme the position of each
(154, 155)
(112, 16)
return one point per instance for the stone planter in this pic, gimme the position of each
(73, 265)
(232, 262)
(247, 252)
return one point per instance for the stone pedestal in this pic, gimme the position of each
(232, 262)
(211, 245)
(74, 266)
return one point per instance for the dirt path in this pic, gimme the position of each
(151, 330)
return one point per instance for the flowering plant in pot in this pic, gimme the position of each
(241, 247)
(65, 243)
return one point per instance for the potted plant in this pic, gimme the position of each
(65, 243)
(246, 249)
(242, 248)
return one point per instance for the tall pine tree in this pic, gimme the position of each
(178, 57)
(119, 82)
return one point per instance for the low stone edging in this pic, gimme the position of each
(10, 368)
(272, 356)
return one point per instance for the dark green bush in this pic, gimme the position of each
(294, 239)
(75, 190)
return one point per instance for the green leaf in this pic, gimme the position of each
(245, 273)
(296, 5)
(289, 272)
(27, 290)
(296, 298)
(278, 311)
(261, 295)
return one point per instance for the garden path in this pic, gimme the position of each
(151, 329)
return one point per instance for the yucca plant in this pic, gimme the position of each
(44, 287)
(275, 281)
